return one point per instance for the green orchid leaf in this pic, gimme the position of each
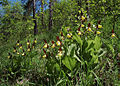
(69, 62)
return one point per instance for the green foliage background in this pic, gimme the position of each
(86, 62)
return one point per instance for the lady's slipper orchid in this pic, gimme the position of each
(44, 56)
(28, 48)
(58, 43)
(35, 40)
(14, 49)
(69, 35)
(79, 33)
(82, 25)
(98, 32)
(89, 29)
(18, 53)
(83, 18)
(45, 45)
(20, 46)
(9, 55)
(99, 26)
(113, 34)
(53, 44)
(18, 43)
(28, 42)
(23, 54)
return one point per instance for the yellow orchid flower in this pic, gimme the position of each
(28, 49)
(45, 46)
(83, 18)
(82, 25)
(89, 29)
(99, 26)
(113, 35)
(21, 47)
(23, 54)
(79, 33)
(35, 41)
(8, 57)
(14, 50)
(28, 43)
(58, 43)
(98, 32)
(18, 44)
(18, 53)
(69, 35)
(53, 46)
(44, 56)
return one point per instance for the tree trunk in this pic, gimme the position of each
(42, 10)
(50, 15)
(35, 22)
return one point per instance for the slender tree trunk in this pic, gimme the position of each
(50, 15)
(35, 22)
(42, 10)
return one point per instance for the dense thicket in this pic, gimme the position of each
(17, 17)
